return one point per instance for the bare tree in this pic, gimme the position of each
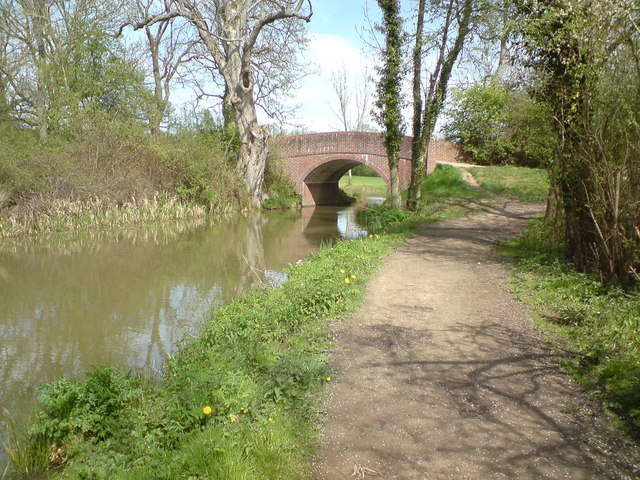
(170, 48)
(352, 96)
(229, 30)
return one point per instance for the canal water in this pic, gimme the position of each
(126, 298)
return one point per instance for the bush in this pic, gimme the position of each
(279, 186)
(111, 163)
(499, 126)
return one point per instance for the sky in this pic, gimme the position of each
(334, 42)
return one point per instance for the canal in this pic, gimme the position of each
(127, 298)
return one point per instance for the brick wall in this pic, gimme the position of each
(323, 158)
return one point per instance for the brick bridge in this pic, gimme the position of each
(317, 161)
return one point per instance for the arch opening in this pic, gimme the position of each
(321, 184)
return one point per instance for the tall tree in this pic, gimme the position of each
(455, 19)
(169, 49)
(389, 99)
(229, 30)
(59, 54)
(351, 97)
(586, 56)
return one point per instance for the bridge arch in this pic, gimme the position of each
(317, 161)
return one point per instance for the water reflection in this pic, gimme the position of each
(128, 297)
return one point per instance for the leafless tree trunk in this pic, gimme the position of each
(229, 31)
(169, 50)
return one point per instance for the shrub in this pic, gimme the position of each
(499, 126)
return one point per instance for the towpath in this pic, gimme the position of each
(440, 375)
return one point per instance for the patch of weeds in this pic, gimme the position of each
(377, 217)
(598, 323)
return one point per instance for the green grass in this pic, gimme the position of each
(446, 183)
(530, 185)
(364, 186)
(598, 324)
(260, 364)
(445, 195)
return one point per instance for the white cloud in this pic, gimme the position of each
(328, 53)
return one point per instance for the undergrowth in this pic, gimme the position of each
(112, 173)
(445, 195)
(238, 401)
(598, 323)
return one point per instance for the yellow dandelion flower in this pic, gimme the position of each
(342, 270)
(328, 379)
(353, 277)
(206, 410)
(271, 419)
(347, 281)
(371, 235)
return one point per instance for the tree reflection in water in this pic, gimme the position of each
(128, 297)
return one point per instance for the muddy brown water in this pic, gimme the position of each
(127, 298)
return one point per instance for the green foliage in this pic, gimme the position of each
(88, 408)
(111, 163)
(87, 75)
(364, 171)
(380, 217)
(585, 58)
(498, 126)
(529, 185)
(279, 186)
(259, 364)
(597, 322)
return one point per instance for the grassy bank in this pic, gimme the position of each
(529, 185)
(444, 195)
(112, 174)
(598, 326)
(239, 401)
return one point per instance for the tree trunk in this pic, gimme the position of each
(253, 137)
(396, 201)
(40, 15)
(417, 149)
(437, 93)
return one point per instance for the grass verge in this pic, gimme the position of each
(363, 187)
(445, 195)
(598, 324)
(240, 400)
(529, 185)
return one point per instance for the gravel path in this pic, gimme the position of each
(440, 376)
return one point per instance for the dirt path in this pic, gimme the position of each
(439, 376)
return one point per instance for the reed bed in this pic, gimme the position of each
(72, 215)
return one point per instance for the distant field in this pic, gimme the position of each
(373, 186)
